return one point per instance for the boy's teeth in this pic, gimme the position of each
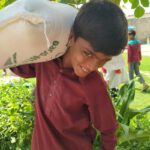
(84, 69)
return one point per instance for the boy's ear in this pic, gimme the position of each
(71, 39)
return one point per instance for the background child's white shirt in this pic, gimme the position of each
(115, 63)
(114, 80)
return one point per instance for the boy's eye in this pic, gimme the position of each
(87, 53)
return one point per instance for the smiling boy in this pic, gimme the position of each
(71, 96)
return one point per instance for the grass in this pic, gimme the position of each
(142, 99)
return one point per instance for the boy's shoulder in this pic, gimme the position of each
(93, 77)
(94, 82)
(95, 89)
(133, 42)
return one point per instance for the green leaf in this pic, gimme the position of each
(145, 3)
(131, 1)
(127, 100)
(2, 3)
(116, 1)
(142, 136)
(135, 4)
(139, 12)
(63, 1)
(125, 128)
(125, 1)
(133, 112)
(123, 89)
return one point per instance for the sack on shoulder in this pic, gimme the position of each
(34, 31)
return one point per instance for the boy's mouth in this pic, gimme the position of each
(84, 69)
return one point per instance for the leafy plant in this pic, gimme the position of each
(16, 119)
(125, 114)
(126, 97)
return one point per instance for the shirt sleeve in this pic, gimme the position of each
(129, 54)
(25, 71)
(102, 113)
(140, 55)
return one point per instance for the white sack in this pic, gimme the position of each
(34, 31)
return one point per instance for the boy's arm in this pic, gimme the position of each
(108, 140)
(140, 55)
(102, 113)
(25, 71)
(104, 119)
(129, 53)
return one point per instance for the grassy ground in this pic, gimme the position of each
(142, 99)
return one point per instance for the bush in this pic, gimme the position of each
(16, 119)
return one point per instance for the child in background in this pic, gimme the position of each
(115, 74)
(71, 96)
(134, 58)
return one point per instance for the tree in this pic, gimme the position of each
(137, 5)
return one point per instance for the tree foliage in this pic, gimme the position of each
(137, 5)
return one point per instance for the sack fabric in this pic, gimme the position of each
(34, 31)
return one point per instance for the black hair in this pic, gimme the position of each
(103, 25)
(132, 32)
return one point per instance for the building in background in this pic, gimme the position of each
(142, 27)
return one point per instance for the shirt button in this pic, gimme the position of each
(61, 71)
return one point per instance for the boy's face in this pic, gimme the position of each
(130, 36)
(82, 57)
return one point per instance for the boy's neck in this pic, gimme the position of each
(132, 38)
(66, 61)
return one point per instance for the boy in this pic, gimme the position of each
(134, 58)
(71, 96)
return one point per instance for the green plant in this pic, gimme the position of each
(16, 119)
(125, 114)
(122, 105)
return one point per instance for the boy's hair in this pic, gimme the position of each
(103, 25)
(132, 32)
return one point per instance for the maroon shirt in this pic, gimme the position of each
(67, 107)
(134, 51)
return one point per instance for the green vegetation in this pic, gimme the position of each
(16, 109)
